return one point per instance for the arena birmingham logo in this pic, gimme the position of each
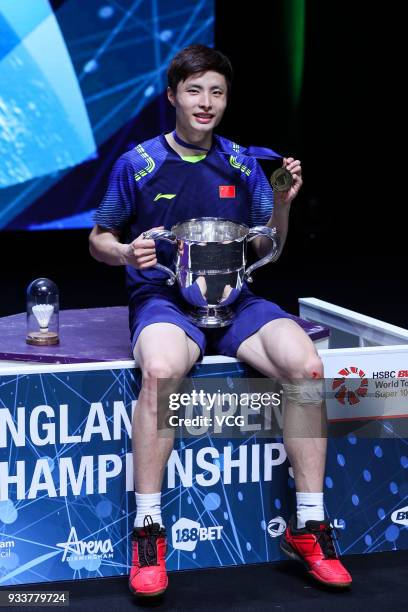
(276, 526)
(351, 390)
(400, 517)
(186, 533)
(5, 548)
(80, 550)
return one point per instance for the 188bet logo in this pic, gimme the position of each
(185, 534)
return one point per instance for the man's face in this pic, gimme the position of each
(200, 101)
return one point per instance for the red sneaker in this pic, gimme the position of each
(314, 547)
(148, 576)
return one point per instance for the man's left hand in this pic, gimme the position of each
(295, 168)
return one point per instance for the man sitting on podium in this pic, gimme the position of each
(174, 177)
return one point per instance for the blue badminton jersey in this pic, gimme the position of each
(151, 185)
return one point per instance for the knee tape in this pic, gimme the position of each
(304, 391)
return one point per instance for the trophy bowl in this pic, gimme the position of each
(210, 257)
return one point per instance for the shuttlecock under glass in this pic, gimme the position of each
(42, 312)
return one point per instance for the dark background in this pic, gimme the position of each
(346, 241)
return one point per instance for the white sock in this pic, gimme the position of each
(309, 508)
(148, 504)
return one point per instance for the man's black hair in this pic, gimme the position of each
(194, 60)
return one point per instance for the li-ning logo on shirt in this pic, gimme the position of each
(167, 196)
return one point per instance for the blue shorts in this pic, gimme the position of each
(251, 313)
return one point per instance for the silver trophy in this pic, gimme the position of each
(210, 259)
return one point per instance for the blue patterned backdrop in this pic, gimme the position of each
(84, 83)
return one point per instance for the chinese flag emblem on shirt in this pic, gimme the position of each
(227, 191)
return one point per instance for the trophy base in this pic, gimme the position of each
(42, 339)
(211, 317)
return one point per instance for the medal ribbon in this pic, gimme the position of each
(258, 152)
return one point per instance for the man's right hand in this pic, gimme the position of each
(141, 253)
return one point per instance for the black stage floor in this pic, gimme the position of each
(380, 583)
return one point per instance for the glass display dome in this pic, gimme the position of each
(42, 312)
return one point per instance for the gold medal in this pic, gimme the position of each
(281, 180)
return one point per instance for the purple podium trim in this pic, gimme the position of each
(87, 335)
(314, 330)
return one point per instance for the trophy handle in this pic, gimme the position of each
(169, 237)
(271, 233)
